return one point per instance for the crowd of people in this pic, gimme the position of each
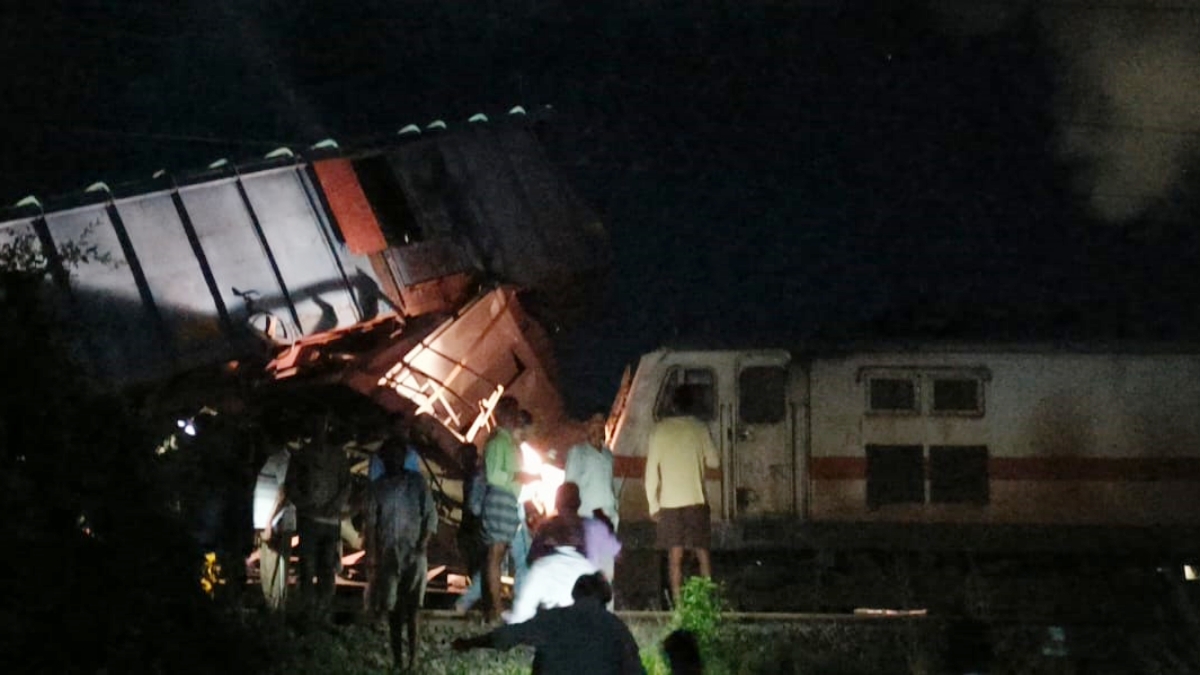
(562, 559)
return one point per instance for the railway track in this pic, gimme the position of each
(654, 616)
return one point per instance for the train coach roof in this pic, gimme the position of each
(833, 349)
(221, 168)
(1094, 346)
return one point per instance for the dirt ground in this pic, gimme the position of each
(812, 647)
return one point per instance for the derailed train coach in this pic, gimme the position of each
(410, 275)
(181, 271)
(934, 446)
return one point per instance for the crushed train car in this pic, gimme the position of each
(395, 272)
(190, 270)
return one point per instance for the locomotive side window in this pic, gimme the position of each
(761, 395)
(892, 395)
(895, 475)
(703, 385)
(958, 474)
(957, 396)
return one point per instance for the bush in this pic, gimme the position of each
(101, 573)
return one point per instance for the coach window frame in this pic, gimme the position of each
(923, 379)
(912, 377)
(955, 376)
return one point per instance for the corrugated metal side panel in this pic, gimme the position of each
(350, 207)
(310, 270)
(109, 318)
(174, 275)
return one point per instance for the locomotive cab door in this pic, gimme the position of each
(759, 437)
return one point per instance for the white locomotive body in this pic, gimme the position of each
(1000, 443)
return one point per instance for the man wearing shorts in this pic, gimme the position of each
(400, 519)
(679, 451)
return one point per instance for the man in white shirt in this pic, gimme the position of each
(679, 452)
(581, 639)
(551, 577)
(590, 466)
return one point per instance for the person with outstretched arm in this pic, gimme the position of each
(581, 639)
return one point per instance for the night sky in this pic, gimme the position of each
(768, 171)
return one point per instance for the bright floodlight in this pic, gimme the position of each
(541, 492)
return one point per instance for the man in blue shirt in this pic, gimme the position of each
(590, 466)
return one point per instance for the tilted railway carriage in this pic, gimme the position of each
(927, 445)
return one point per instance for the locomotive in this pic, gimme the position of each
(933, 444)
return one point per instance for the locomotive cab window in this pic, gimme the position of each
(701, 387)
(892, 395)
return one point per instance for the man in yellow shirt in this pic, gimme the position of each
(679, 451)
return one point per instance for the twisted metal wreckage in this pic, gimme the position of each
(402, 272)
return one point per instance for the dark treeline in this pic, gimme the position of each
(101, 569)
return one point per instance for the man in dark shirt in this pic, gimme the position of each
(400, 520)
(318, 483)
(582, 639)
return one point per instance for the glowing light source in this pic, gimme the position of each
(542, 491)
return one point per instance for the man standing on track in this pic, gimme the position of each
(680, 449)
(318, 483)
(400, 520)
(590, 466)
(501, 513)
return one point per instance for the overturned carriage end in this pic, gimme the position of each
(443, 372)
